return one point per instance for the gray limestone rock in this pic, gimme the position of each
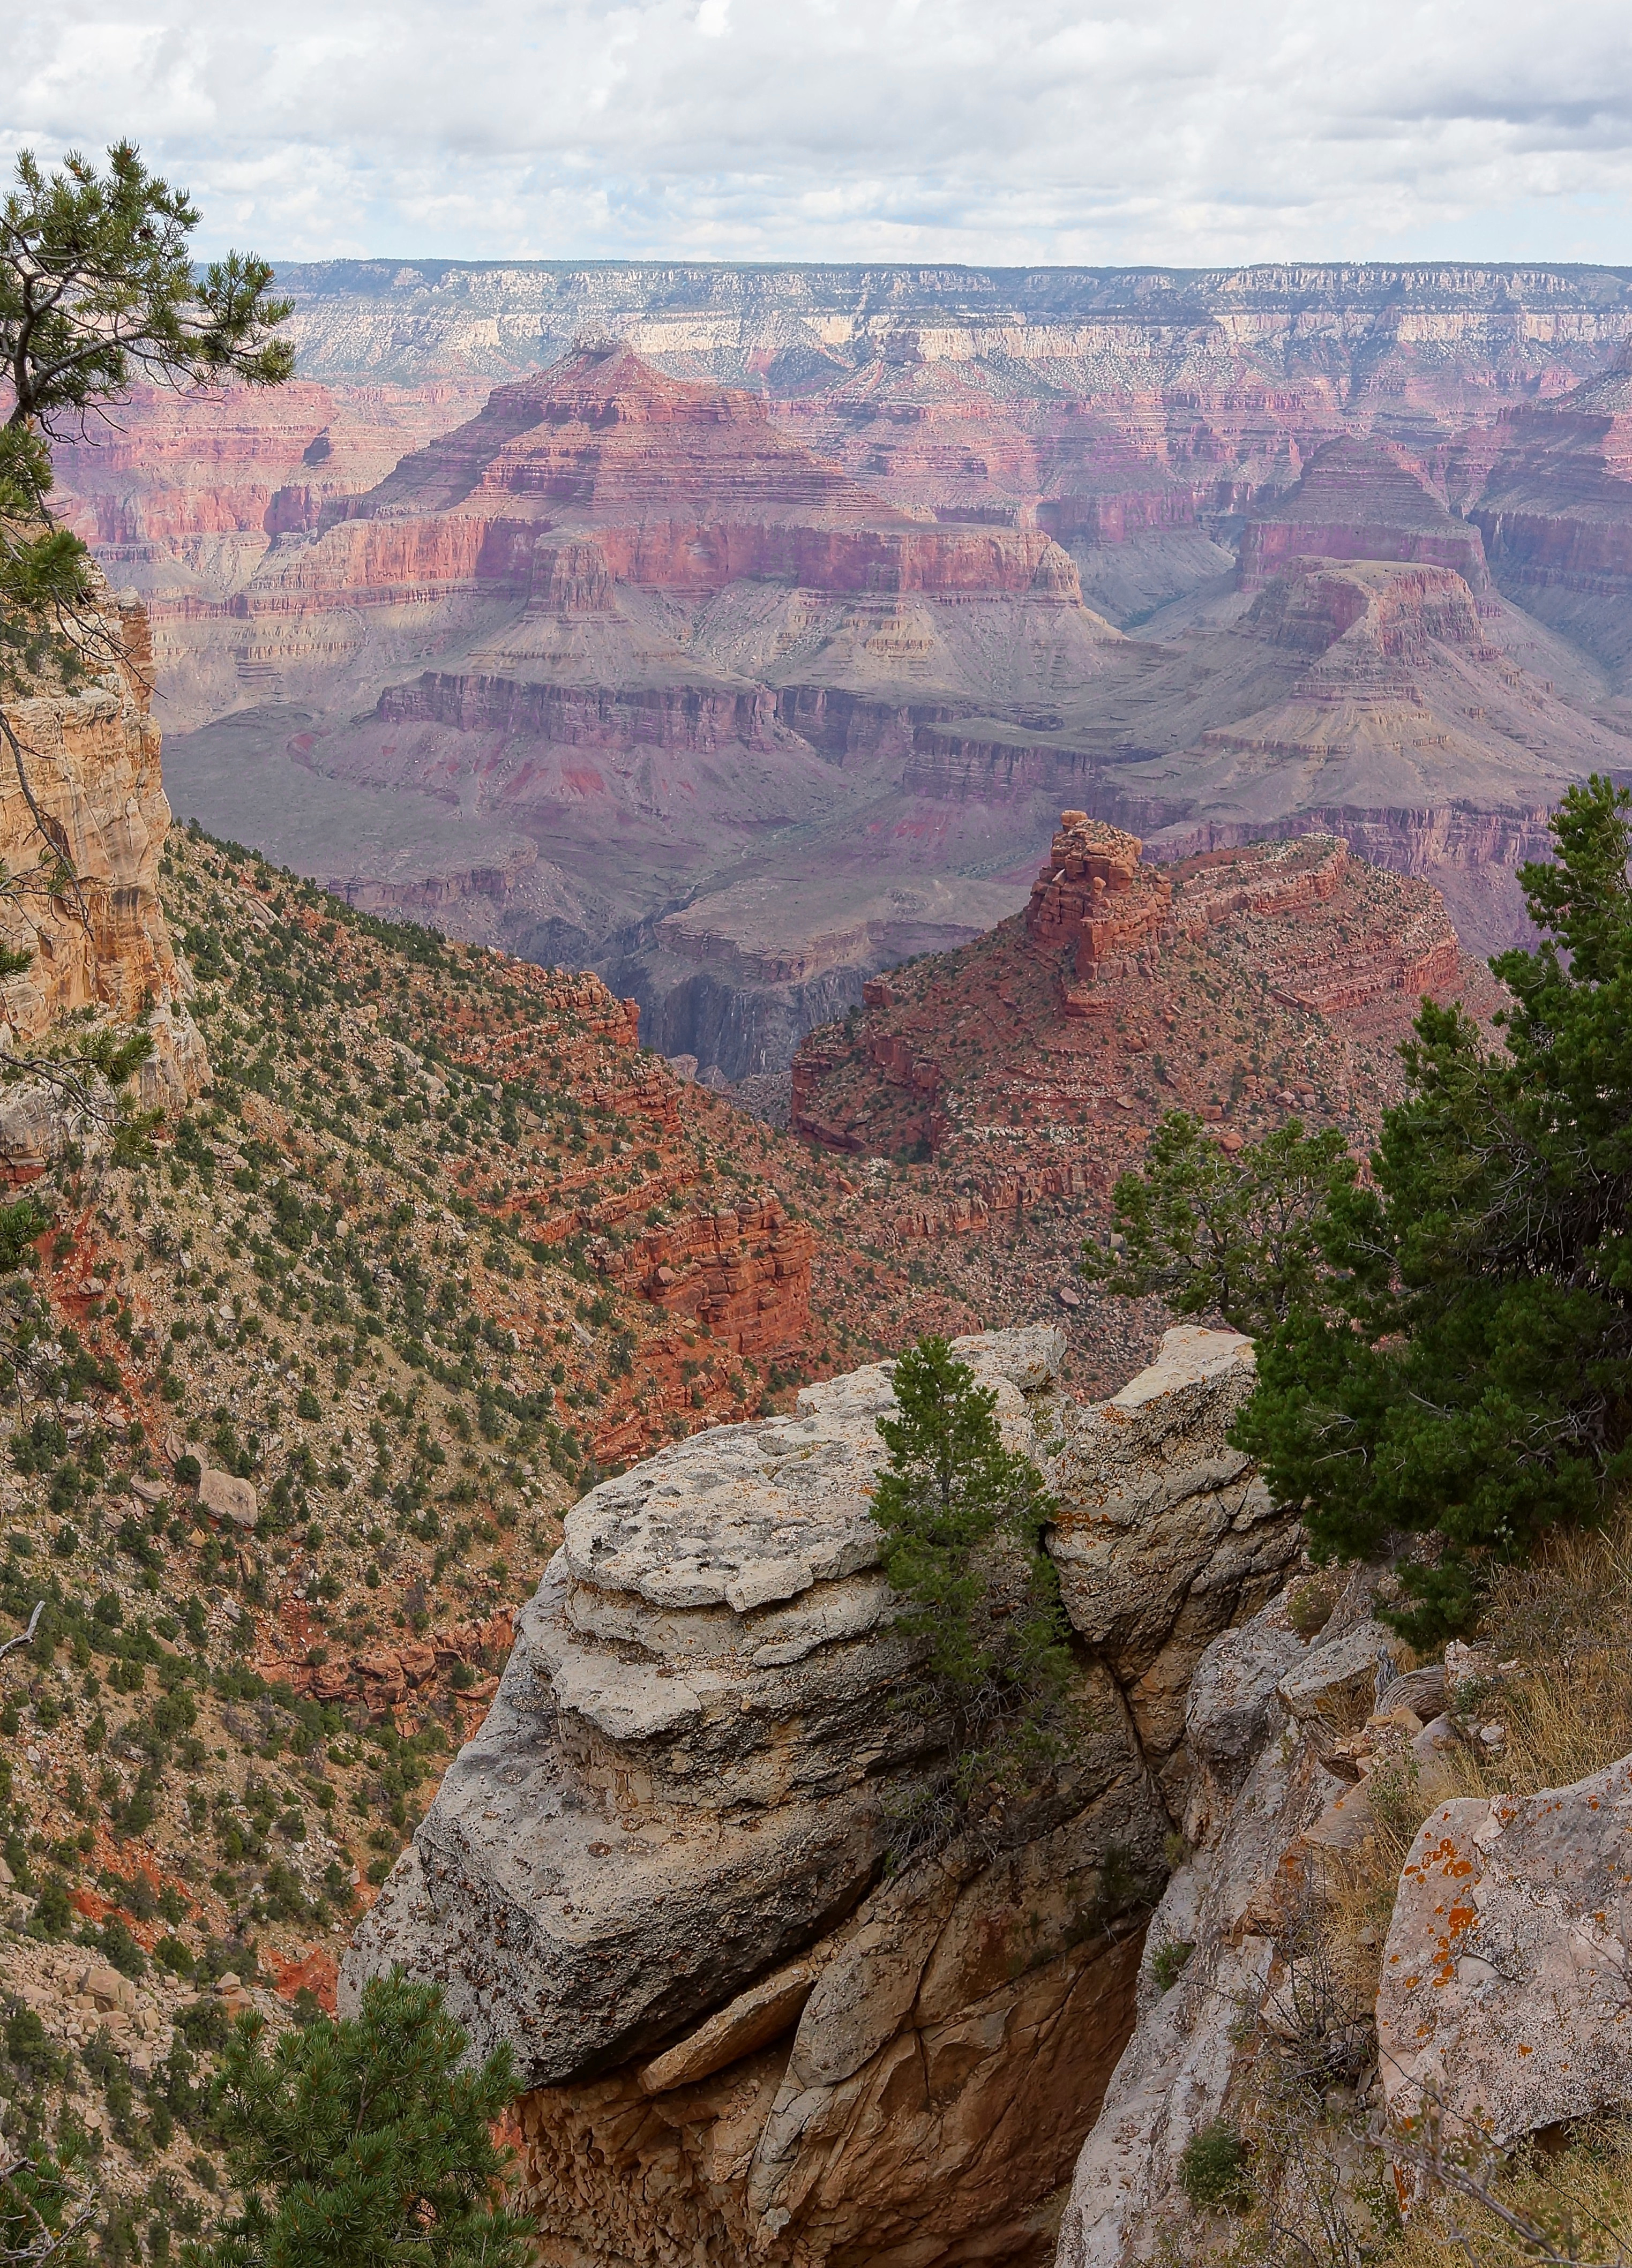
(682, 1780)
(657, 1870)
(1505, 1993)
(1166, 1535)
(1234, 1699)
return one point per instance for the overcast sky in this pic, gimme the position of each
(1000, 130)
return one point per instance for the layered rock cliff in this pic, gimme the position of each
(658, 1869)
(85, 787)
(782, 579)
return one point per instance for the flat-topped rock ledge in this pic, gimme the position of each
(658, 1869)
(682, 1775)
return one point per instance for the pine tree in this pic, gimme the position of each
(1466, 1368)
(46, 2213)
(964, 1517)
(366, 2143)
(1215, 1235)
(98, 289)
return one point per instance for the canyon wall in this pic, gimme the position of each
(658, 1870)
(564, 602)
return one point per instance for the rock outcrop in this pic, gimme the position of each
(1261, 1800)
(1503, 2004)
(1181, 986)
(1094, 896)
(658, 1870)
(101, 952)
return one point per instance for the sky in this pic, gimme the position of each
(1000, 131)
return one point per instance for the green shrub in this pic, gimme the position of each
(1212, 2171)
(368, 2138)
(963, 1518)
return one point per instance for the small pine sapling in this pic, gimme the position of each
(963, 1519)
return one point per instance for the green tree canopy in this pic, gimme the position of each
(1465, 1368)
(1215, 1234)
(366, 2143)
(47, 2215)
(98, 290)
(964, 1517)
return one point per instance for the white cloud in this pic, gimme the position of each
(1100, 132)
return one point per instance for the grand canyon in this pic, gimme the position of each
(724, 806)
(739, 633)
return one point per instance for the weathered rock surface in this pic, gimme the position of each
(101, 951)
(228, 1497)
(1255, 1802)
(1504, 1995)
(657, 1870)
(1166, 1535)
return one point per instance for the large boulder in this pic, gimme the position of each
(1504, 1998)
(658, 1869)
(1167, 1537)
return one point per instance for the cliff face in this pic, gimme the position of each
(102, 954)
(1358, 500)
(657, 1869)
(1550, 490)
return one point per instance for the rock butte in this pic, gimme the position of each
(657, 1869)
(745, 652)
(1027, 1067)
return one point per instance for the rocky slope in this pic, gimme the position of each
(741, 2034)
(1389, 1951)
(1025, 1070)
(437, 1245)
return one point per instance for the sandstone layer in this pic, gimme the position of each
(658, 1868)
(85, 787)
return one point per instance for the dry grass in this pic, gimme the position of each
(1567, 1620)
(1544, 2206)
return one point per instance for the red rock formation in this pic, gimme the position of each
(1550, 486)
(1094, 896)
(1359, 498)
(181, 471)
(685, 486)
(741, 1271)
(1256, 982)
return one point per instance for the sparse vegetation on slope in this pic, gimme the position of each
(304, 1392)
